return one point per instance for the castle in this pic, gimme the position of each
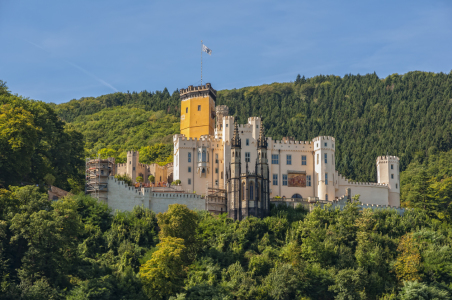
(228, 167)
(220, 154)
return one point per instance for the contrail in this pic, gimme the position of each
(76, 66)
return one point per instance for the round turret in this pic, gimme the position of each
(388, 173)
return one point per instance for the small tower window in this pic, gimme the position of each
(186, 110)
(289, 159)
(392, 167)
(216, 170)
(247, 142)
(318, 158)
(216, 182)
(303, 160)
(392, 176)
(326, 158)
(247, 157)
(326, 145)
(199, 107)
(227, 125)
(326, 197)
(326, 178)
(275, 179)
(189, 156)
(189, 169)
(308, 180)
(396, 185)
(216, 157)
(257, 126)
(284, 179)
(189, 181)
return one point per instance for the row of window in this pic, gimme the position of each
(199, 109)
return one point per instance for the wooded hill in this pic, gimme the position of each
(403, 115)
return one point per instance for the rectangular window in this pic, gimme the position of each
(216, 182)
(289, 159)
(221, 175)
(326, 178)
(326, 197)
(284, 179)
(247, 157)
(134, 168)
(396, 185)
(392, 167)
(392, 176)
(275, 159)
(199, 107)
(189, 156)
(227, 125)
(247, 142)
(326, 145)
(318, 158)
(275, 179)
(189, 169)
(216, 157)
(189, 181)
(186, 110)
(303, 160)
(101, 172)
(216, 170)
(308, 180)
(326, 158)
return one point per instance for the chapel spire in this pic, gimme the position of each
(262, 141)
(236, 141)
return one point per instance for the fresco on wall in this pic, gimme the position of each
(296, 179)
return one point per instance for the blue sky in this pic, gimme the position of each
(56, 51)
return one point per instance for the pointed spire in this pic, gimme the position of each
(236, 141)
(262, 141)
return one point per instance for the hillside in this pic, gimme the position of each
(403, 115)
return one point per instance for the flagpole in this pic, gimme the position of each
(201, 62)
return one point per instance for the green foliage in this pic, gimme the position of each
(113, 131)
(427, 184)
(124, 178)
(35, 145)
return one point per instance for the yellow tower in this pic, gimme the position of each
(197, 115)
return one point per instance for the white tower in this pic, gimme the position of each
(132, 163)
(388, 173)
(324, 150)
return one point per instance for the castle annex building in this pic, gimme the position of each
(213, 152)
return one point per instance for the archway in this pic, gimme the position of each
(297, 196)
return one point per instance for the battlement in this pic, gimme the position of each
(290, 142)
(251, 119)
(387, 158)
(348, 182)
(198, 91)
(324, 138)
(132, 153)
(228, 118)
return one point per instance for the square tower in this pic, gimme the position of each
(197, 111)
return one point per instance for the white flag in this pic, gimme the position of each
(207, 50)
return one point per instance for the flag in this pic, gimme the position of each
(207, 50)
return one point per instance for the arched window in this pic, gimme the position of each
(203, 170)
(251, 191)
(297, 196)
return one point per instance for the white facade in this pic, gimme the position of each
(315, 159)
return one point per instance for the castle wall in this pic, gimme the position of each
(159, 202)
(124, 198)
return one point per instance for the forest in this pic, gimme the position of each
(404, 115)
(77, 248)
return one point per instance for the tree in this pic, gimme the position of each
(164, 273)
(408, 262)
(151, 178)
(125, 178)
(139, 179)
(180, 222)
